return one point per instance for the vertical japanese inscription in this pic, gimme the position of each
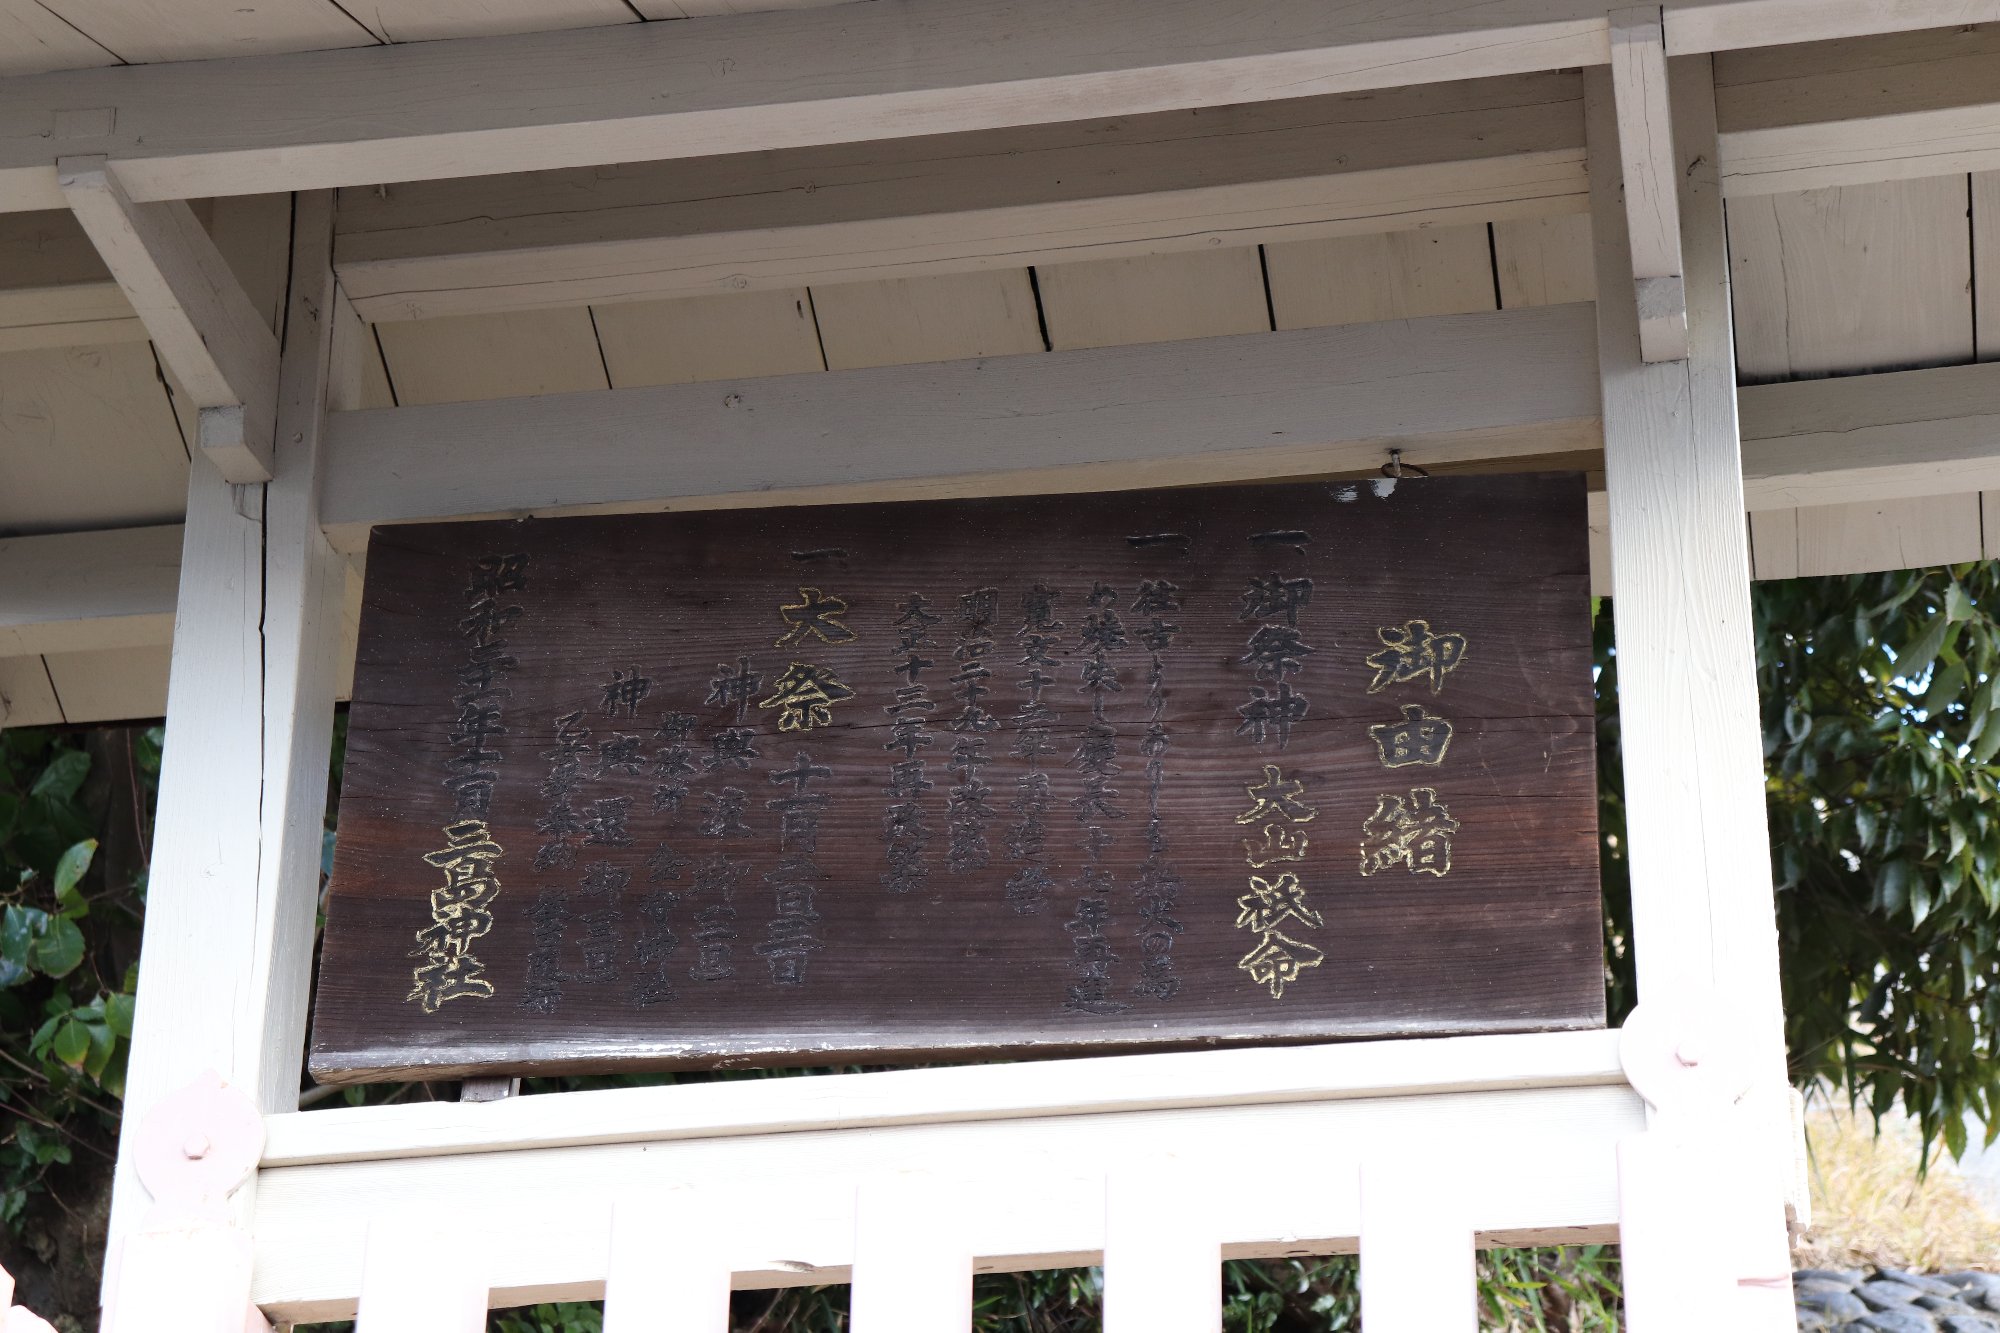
(1276, 651)
(462, 907)
(791, 938)
(1278, 807)
(1096, 763)
(966, 808)
(905, 826)
(1040, 636)
(1157, 887)
(1414, 830)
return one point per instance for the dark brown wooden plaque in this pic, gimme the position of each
(888, 782)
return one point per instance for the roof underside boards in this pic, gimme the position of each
(38, 36)
(94, 435)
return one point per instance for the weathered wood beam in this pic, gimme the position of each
(1254, 405)
(1646, 150)
(1471, 151)
(1730, 25)
(1871, 437)
(204, 325)
(1869, 109)
(54, 290)
(478, 106)
(76, 591)
(739, 83)
(1815, 442)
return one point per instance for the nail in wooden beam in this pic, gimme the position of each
(206, 328)
(1646, 143)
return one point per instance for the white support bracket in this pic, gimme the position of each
(1652, 208)
(206, 328)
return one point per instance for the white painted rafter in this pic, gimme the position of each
(483, 105)
(204, 325)
(1646, 149)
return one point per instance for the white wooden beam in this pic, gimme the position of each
(201, 321)
(54, 290)
(1704, 923)
(1857, 438)
(1182, 180)
(227, 948)
(1851, 112)
(1652, 210)
(77, 591)
(1695, 26)
(484, 105)
(739, 83)
(1253, 405)
(1871, 437)
(1097, 1085)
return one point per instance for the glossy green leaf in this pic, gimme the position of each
(63, 777)
(118, 1011)
(70, 871)
(71, 1042)
(60, 948)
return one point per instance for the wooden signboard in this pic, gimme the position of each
(890, 782)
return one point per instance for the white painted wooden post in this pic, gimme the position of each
(912, 1273)
(1162, 1262)
(1704, 925)
(1417, 1265)
(668, 1272)
(226, 953)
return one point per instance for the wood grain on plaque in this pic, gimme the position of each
(696, 789)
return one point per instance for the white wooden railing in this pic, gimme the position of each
(907, 1183)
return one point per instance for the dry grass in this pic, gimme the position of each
(1870, 1208)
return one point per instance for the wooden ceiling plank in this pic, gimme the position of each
(35, 40)
(1866, 537)
(1544, 261)
(492, 356)
(709, 338)
(1868, 277)
(27, 699)
(949, 317)
(483, 105)
(1173, 181)
(1401, 275)
(111, 684)
(220, 346)
(1986, 265)
(436, 20)
(358, 378)
(144, 31)
(1158, 298)
(692, 9)
(87, 440)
